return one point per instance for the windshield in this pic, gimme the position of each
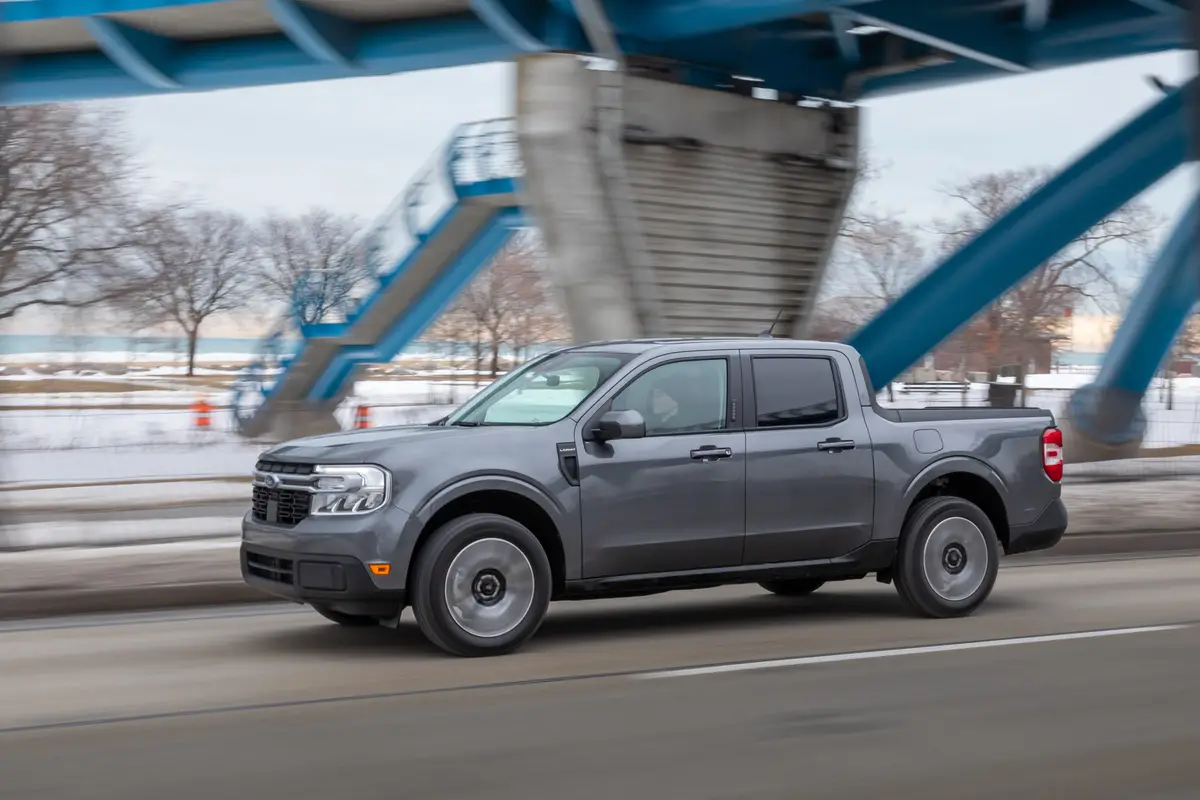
(542, 391)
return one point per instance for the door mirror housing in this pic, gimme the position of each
(619, 425)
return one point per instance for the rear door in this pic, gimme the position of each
(810, 479)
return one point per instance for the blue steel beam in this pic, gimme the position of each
(31, 10)
(1161, 6)
(144, 57)
(1114, 172)
(521, 23)
(1109, 411)
(788, 54)
(323, 37)
(1001, 47)
(258, 60)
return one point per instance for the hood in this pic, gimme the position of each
(373, 445)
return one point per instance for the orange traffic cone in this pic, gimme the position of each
(202, 412)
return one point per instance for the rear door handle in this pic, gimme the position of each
(836, 445)
(711, 453)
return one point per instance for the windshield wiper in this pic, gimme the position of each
(466, 424)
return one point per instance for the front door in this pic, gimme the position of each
(810, 475)
(676, 499)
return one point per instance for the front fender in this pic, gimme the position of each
(483, 483)
(564, 522)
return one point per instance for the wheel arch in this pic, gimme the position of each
(505, 496)
(966, 478)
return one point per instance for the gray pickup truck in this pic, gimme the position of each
(635, 467)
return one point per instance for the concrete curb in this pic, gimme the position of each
(72, 602)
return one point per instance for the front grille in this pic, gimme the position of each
(280, 570)
(284, 468)
(287, 507)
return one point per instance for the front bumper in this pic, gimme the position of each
(1043, 533)
(323, 561)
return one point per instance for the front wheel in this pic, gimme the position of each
(948, 559)
(481, 586)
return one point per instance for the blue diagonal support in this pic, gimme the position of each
(1162, 6)
(1107, 415)
(323, 37)
(1114, 172)
(521, 23)
(1162, 303)
(144, 56)
(988, 44)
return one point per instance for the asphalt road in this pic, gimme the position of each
(273, 702)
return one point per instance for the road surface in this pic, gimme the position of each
(274, 702)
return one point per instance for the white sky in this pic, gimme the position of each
(352, 144)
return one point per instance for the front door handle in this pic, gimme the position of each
(711, 452)
(836, 445)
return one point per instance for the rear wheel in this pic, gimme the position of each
(347, 620)
(799, 587)
(481, 586)
(948, 559)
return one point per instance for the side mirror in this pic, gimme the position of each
(619, 425)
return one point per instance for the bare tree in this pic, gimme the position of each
(884, 256)
(189, 267)
(509, 304)
(1085, 271)
(67, 207)
(308, 264)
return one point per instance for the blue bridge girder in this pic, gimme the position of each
(1114, 172)
(840, 49)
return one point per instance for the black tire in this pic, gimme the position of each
(798, 587)
(950, 582)
(429, 585)
(346, 620)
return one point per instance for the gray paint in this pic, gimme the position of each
(645, 506)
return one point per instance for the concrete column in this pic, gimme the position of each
(737, 201)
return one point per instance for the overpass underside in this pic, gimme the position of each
(671, 210)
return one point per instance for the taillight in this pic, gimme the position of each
(1052, 454)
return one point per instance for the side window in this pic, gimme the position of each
(795, 390)
(679, 397)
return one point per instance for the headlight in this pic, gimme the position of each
(349, 490)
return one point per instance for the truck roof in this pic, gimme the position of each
(700, 343)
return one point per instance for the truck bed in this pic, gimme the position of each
(943, 414)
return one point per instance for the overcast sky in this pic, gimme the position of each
(352, 144)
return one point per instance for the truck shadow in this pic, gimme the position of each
(633, 618)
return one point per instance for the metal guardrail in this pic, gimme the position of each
(485, 151)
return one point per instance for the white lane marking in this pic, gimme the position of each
(834, 658)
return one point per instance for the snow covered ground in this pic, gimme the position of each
(58, 438)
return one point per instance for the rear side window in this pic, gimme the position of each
(795, 390)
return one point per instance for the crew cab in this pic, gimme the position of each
(635, 467)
